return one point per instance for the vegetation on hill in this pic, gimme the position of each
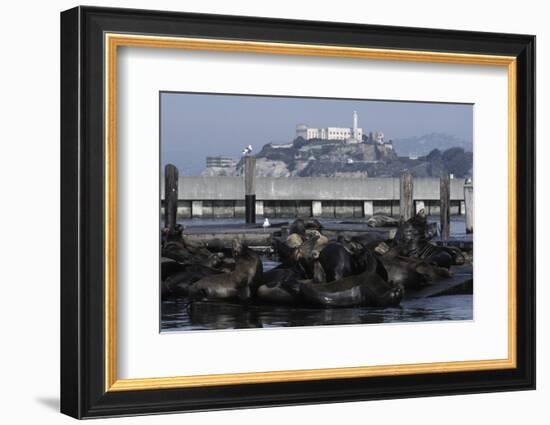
(332, 158)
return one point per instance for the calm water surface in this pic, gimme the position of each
(179, 316)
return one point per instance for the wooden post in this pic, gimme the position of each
(445, 206)
(469, 206)
(250, 189)
(170, 196)
(406, 204)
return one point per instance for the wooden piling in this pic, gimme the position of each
(250, 189)
(406, 203)
(469, 207)
(170, 196)
(445, 206)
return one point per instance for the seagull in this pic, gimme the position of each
(266, 223)
(247, 150)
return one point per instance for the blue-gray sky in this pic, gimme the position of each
(195, 125)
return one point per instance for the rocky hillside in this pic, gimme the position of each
(335, 159)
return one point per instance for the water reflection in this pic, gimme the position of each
(178, 315)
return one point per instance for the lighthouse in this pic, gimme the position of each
(355, 136)
(355, 126)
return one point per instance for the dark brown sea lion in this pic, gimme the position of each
(169, 267)
(240, 284)
(366, 289)
(412, 273)
(285, 254)
(413, 240)
(279, 286)
(300, 226)
(382, 221)
(337, 261)
(178, 284)
(175, 247)
(313, 224)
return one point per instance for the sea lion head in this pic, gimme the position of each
(172, 234)
(298, 226)
(396, 294)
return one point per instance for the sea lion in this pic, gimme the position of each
(175, 247)
(240, 284)
(171, 234)
(178, 284)
(300, 226)
(285, 254)
(313, 224)
(169, 267)
(294, 240)
(279, 286)
(366, 289)
(305, 257)
(382, 221)
(410, 272)
(181, 252)
(320, 239)
(413, 240)
(336, 260)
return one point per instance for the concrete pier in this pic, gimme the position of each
(368, 208)
(469, 207)
(316, 208)
(196, 208)
(217, 197)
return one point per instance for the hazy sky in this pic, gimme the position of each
(194, 126)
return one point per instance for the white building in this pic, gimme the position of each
(352, 134)
(220, 162)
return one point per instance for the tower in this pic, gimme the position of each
(354, 134)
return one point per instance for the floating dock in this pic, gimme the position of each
(221, 236)
(461, 282)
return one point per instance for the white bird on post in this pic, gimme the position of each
(266, 223)
(247, 151)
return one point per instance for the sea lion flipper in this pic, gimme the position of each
(319, 275)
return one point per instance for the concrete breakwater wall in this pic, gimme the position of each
(223, 197)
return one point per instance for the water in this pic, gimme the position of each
(179, 315)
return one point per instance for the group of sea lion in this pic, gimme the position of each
(314, 271)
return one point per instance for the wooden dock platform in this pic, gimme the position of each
(221, 236)
(460, 283)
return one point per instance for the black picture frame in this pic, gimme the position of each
(83, 392)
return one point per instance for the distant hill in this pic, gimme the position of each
(328, 158)
(423, 145)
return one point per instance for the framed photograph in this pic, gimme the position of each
(261, 212)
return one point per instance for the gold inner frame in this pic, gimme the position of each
(113, 41)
